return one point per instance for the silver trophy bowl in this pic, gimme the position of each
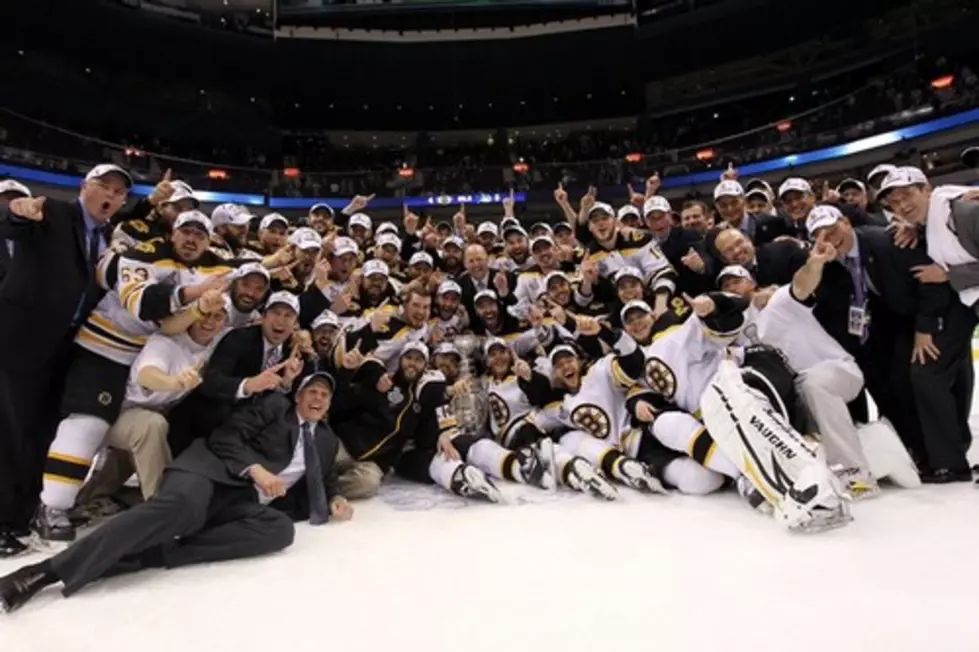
(471, 409)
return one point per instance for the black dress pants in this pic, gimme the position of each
(190, 520)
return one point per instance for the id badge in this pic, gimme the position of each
(858, 320)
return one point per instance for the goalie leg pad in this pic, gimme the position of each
(776, 459)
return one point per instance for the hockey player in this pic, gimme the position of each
(230, 223)
(157, 225)
(494, 321)
(449, 317)
(146, 285)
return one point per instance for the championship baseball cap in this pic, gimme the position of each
(181, 193)
(386, 227)
(794, 184)
(306, 238)
(10, 185)
(970, 157)
(601, 207)
(317, 375)
(550, 276)
(447, 348)
(562, 226)
(758, 192)
(626, 211)
(546, 239)
(627, 272)
(850, 182)
(492, 342)
(543, 226)
(315, 208)
(514, 228)
(759, 184)
(656, 203)
(732, 270)
(251, 268)
(104, 169)
(421, 258)
(388, 238)
(485, 294)
(193, 217)
(728, 188)
(326, 318)
(879, 172)
(375, 266)
(272, 218)
(283, 298)
(487, 227)
(822, 216)
(342, 246)
(455, 241)
(360, 219)
(509, 221)
(559, 350)
(903, 177)
(635, 304)
(415, 345)
(449, 286)
(230, 214)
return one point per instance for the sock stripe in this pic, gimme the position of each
(702, 447)
(71, 459)
(65, 471)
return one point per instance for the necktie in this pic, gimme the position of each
(94, 245)
(272, 357)
(319, 509)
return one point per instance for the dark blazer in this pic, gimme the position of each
(45, 283)
(675, 247)
(263, 432)
(468, 286)
(4, 259)
(777, 262)
(240, 355)
(769, 227)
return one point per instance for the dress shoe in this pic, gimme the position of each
(22, 585)
(945, 476)
(9, 545)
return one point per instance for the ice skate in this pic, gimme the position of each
(582, 476)
(754, 498)
(470, 482)
(858, 484)
(638, 476)
(50, 528)
(534, 469)
(815, 503)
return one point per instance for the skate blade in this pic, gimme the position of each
(825, 520)
(859, 491)
(600, 489)
(36, 544)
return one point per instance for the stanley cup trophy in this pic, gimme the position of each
(470, 409)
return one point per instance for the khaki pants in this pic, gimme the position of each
(357, 479)
(137, 442)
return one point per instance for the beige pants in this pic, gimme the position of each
(357, 479)
(137, 442)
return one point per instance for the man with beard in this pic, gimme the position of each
(360, 229)
(324, 330)
(561, 292)
(449, 317)
(387, 249)
(517, 249)
(320, 219)
(272, 233)
(530, 282)
(480, 276)
(488, 235)
(147, 286)
(406, 425)
(230, 223)
(493, 320)
(297, 275)
(334, 285)
(249, 285)
(451, 256)
(159, 223)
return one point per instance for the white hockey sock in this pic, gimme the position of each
(78, 438)
(682, 432)
(691, 478)
(441, 470)
(494, 460)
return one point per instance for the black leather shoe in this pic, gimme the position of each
(9, 545)
(22, 585)
(946, 476)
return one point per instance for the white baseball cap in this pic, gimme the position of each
(306, 238)
(386, 227)
(326, 318)
(360, 219)
(493, 341)
(514, 228)
(794, 184)
(230, 214)
(415, 345)
(550, 276)
(284, 298)
(903, 177)
(375, 266)
(733, 270)
(485, 294)
(421, 258)
(627, 210)
(342, 246)
(882, 169)
(487, 227)
(759, 184)
(822, 216)
(564, 226)
(10, 185)
(447, 348)
(321, 207)
(104, 169)
(850, 182)
(656, 203)
(601, 206)
(388, 238)
(635, 304)
(317, 375)
(449, 286)
(758, 191)
(728, 188)
(544, 238)
(559, 349)
(454, 240)
(627, 272)
(193, 217)
(181, 193)
(541, 225)
(271, 219)
(251, 268)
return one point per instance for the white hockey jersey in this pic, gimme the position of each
(599, 406)
(638, 250)
(508, 405)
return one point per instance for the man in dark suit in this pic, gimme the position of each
(729, 202)
(49, 289)
(213, 504)
(771, 264)
(479, 276)
(248, 362)
(684, 248)
(9, 190)
(915, 341)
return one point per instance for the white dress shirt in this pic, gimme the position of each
(296, 467)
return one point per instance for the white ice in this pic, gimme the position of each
(568, 574)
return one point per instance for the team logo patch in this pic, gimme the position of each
(417, 407)
(395, 396)
(592, 419)
(499, 410)
(660, 377)
(105, 398)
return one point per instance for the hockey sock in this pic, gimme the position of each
(441, 469)
(70, 457)
(494, 460)
(703, 450)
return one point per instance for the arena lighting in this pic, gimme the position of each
(217, 174)
(944, 81)
(132, 151)
(784, 126)
(521, 167)
(633, 157)
(406, 172)
(446, 201)
(705, 155)
(291, 173)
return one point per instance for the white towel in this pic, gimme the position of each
(943, 245)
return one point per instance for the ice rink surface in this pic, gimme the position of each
(418, 570)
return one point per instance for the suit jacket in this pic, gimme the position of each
(47, 283)
(240, 355)
(468, 286)
(675, 247)
(777, 262)
(769, 227)
(263, 432)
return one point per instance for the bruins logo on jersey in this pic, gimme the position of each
(660, 377)
(592, 419)
(680, 307)
(499, 410)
